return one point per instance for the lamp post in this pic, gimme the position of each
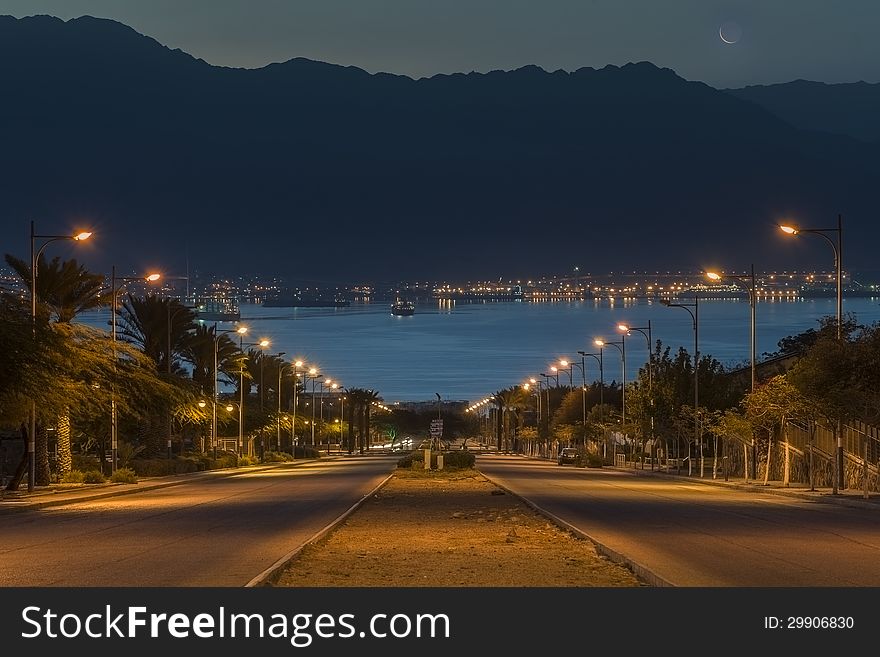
(837, 248)
(645, 331)
(241, 345)
(548, 411)
(241, 330)
(598, 357)
(747, 282)
(838, 255)
(229, 407)
(555, 374)
(35, 259)
(171, 316)
(583, 370)
(116, 283)
(281, 367)
(296, 365)
(313, 376)
(621, 347)
(696, 324)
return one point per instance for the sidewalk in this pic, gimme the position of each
(848, 497)
(59, 494)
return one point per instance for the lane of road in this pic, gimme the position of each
(692, 534)
(214, 532)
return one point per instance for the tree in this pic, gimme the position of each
(769, 408)
(65, 289)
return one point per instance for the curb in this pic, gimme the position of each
(271, 575)
(641, 572)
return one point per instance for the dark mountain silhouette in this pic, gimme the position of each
(313, 170)
(850, 108)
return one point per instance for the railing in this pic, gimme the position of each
(856, 438)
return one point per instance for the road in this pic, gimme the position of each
(216, 531)
(696, 535)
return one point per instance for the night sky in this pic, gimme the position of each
(776, 40)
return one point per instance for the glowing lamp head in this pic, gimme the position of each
(790, 230)
(264, 343)
(241, 330)
(152, 278)
(533, 381)
(553, 369)
(313, 371)
(623, 327)
(712, 275)
(563, 362)
(599, 343)
(525, 386)
(298, 363)
(81, 237)
(230, 407)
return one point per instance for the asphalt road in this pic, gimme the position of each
(690, 534)
(209, 532)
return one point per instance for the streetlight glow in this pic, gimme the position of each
(152, 277)
(263, 343)
(80, 237)
(791, 230)
(599, 343)
(715, 276)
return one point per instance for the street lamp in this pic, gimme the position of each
(621, 347)
(116, 284)
(838, 266)
(571, 366)
(695, 319)
(555, 374)
(838, 255)
(312, 376)
(241, 330)
(241, 345)
(599, 359)
(281, 368)
(296, 365)
(35, 259)
(229, 406)
(645, 331)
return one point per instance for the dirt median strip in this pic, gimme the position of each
(450, 528)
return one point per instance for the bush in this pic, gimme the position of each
(455, 459)
(246, 460)
(124, 476)
(276, 457)
(73, 477)
(93, 477)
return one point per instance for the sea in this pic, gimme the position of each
(464, 351)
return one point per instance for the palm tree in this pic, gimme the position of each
(145, 322)
(509, 401)
(64, 289)
(198, 351)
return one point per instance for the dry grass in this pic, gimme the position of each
(450, 528)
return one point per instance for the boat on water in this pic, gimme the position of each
(403, 308)
(215, 310)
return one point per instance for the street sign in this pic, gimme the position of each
(436, 428)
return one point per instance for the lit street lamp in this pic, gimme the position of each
(35, 259)
(241, 345)
(645, 331)
(838, 266)
(116, 284)
(621, 347)
(598, 357)
(241, 330)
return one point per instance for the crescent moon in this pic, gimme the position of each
(721, 34)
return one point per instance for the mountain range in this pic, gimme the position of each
(310, 170)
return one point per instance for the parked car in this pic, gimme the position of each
(567, 455)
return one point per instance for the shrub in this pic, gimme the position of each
(93, 477)
(592, 460)
(455, 459)
(246, 460)
(124, 476)
(73, 477)
(276, 457)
